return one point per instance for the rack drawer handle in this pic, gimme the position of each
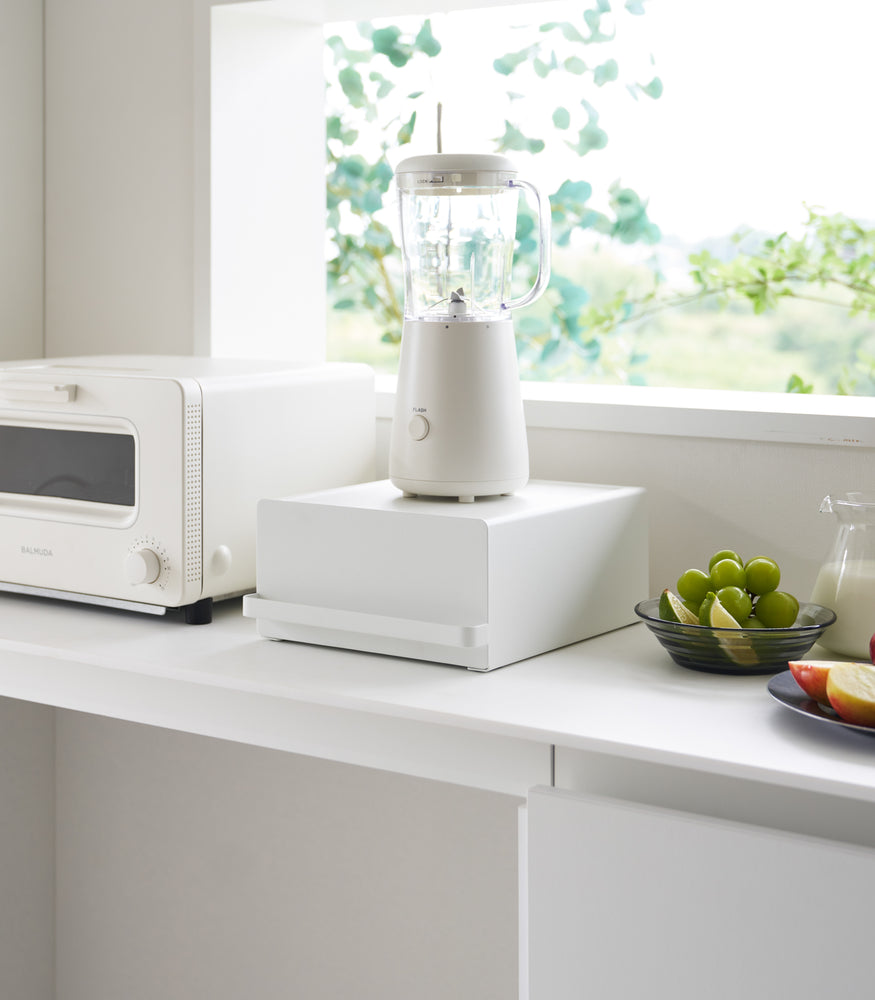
(459, 636)
(37, 392)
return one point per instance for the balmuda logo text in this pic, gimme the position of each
(35, 550)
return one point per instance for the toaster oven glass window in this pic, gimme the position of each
(75, 465)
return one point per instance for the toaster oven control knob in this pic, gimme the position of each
(142, 566)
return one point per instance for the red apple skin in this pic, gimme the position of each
(872, 649)
(851, 692)
(811, 676)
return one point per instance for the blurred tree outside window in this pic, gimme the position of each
(707, 169)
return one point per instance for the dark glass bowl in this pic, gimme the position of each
(734, 650)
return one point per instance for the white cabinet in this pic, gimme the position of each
(27, 805)
(627, 900)
(705, 843)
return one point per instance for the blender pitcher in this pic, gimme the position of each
(459, 429)
(846, 580)
(458, 227)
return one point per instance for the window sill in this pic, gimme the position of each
(696, 413)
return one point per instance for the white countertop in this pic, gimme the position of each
(618, 693)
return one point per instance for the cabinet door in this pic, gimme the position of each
(627, 901)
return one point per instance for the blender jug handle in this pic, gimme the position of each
(543, 276)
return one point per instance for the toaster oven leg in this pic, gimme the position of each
(199, 613)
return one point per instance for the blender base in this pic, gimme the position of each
(459, 427)
(462, 499)
(464, 493)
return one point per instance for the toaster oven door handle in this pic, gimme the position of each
(37, 392)
(457, 636)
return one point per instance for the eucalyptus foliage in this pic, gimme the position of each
(363, 267)
(559, 331)
(369, 95)
(376, 96)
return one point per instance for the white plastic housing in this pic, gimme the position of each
(459, 428)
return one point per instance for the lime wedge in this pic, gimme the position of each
(719, 617)
(673, 609)
(738, 648)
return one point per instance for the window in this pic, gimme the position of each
(688, 123)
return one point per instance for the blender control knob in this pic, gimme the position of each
(142, 566)
(418, 427)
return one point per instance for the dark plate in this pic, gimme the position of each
(783, 688)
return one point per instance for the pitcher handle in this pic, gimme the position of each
(543, 276)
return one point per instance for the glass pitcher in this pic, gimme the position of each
(846, 581)
(458, 225)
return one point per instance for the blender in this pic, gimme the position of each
(459, 429)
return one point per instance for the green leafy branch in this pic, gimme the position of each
(363, 264)
(566, 329)
(363, 270)
(834, 253)
(831, 263)
(564, 48)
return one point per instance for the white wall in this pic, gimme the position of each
(759, 498)
(181, 214)
(266, 270)
(119, 176)
(21, 180)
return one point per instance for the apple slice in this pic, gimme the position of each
(811, 676)
(850, 688)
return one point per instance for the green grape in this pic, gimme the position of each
(728, 573)
(777, 609)
(763, 575)
(692, 585)
(736, 601)
(724, 554)
(748, 591)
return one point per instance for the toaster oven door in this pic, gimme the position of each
(90, 466)
(100, 487)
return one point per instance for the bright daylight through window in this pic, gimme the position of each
(707, 166)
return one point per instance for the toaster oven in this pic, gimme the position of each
(132, 481)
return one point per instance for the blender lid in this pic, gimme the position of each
(455, 168)
(455, 161)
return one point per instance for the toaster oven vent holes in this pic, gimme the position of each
(192, 567)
